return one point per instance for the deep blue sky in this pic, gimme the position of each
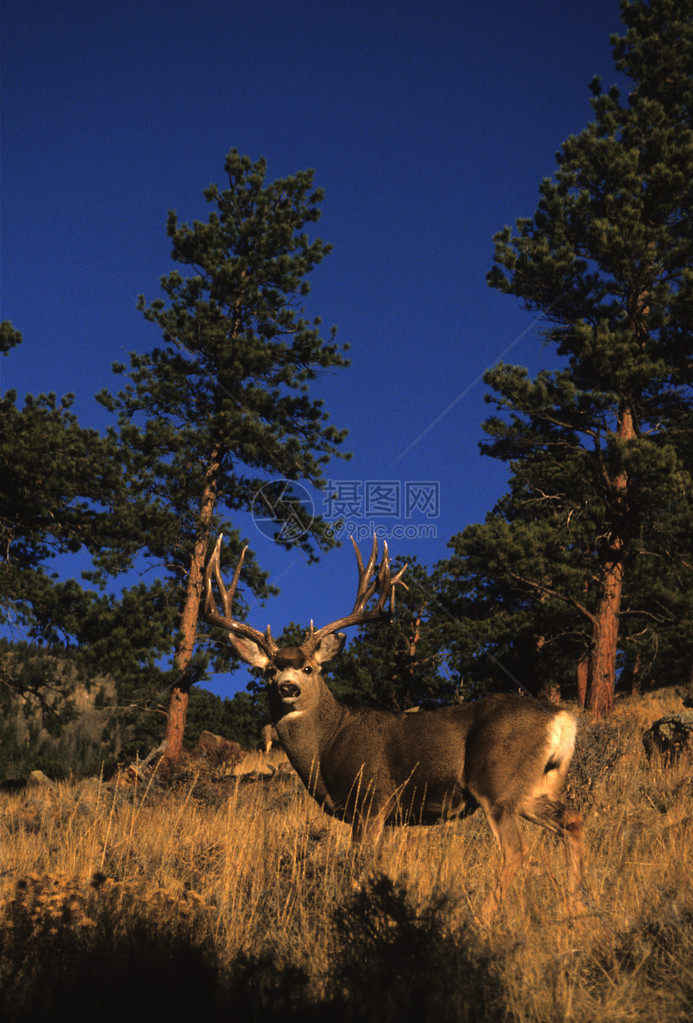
(429, 125)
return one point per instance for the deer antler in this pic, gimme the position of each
(370, 582)
(263, 639)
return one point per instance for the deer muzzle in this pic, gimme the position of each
(288, 690)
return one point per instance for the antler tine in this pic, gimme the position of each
(384, 583)
(226, 595)
(394, 582)
(365, 589)
(369, 584)
(227, 621)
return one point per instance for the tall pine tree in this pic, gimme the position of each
(224, 405)
(607, 258)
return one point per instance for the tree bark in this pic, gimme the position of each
(180, 695)
(601, 676)
(582, 672)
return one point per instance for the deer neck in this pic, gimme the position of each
(305, 735)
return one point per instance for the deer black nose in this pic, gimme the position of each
(288, 690)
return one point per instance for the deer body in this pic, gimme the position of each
(508, 755)
(360, 763)
(375, 767)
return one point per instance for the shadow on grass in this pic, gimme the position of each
(390, 960)
(144, 973)
(394, 960)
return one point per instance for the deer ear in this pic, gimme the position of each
(329, 647)
(249, 651)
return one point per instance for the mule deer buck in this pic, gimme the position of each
(507, 754)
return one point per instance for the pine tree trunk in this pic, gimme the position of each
(583, 665)
(413, 642)
(582, 672)
(180, 695)
(601, 677)
(175, 721)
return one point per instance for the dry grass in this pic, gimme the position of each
(220, 898)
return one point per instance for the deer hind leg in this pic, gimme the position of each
(551, 814)
(505, 826)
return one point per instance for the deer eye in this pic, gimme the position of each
(307, 670)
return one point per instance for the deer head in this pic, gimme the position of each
(294, 673)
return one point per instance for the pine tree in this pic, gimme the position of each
(222, 408)
(607, 258)
(58, 483)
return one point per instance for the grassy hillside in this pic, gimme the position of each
(225, 899)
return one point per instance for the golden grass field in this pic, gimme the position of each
(221, 899)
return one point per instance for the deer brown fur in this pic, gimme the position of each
(508, 755)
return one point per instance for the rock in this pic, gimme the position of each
(217, 751)
(37, 779)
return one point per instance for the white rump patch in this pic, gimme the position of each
(560, 745)
(561, 736)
